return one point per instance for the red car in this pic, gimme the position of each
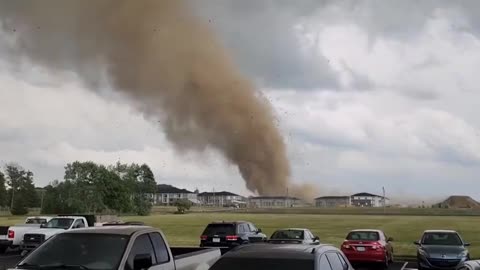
(368, 246)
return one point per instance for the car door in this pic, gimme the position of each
(142, 245)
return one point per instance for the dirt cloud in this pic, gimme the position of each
(169, 65)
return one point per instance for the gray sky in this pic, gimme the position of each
(368, 93)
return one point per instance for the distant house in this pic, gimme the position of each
(365, 199)
(333, 201)
(222, 198)
(167, 195)
(273, 201)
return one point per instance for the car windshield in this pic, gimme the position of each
(93, 251)
(59, 223)
(263, 264)
(288, 234)
(363, 236)
(219, 229)
(441, 239)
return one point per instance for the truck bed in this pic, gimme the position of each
(188, 258)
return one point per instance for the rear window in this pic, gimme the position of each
(288, 234)
(263, 264)
(220, 229)
(363, 236)
(36, 221)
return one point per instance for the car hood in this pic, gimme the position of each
(47, 232)
(443, 252)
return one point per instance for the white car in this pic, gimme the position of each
(35, 238)
(16, 233)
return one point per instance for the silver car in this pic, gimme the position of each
(294, 236)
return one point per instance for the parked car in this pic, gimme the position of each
(294, 236)
(470, 265)
(15, 234)
(368, 246)
(34, 238)
(231, 234)
(441, 249)
(4, 242)
(283, 257)
(116, 247)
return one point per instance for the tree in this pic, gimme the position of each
(22, 190)
(3, 191)
(183, 205)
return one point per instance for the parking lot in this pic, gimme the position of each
(10, 259)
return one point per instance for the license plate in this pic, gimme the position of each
(216, 240)
(360, 248)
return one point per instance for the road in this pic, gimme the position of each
(9, 260)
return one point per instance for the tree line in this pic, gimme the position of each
(87, 187)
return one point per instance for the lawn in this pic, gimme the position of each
(184, 230)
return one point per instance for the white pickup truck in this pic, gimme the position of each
(34, 238)
(117, 248)
(15, 233)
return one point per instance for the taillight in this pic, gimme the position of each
(231, 238)
(346, 246)
(11, 234)
(203, 237)
(377, 246)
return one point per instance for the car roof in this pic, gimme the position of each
(366, 230)
(261, 250)
(228, 222)
(439, 231)
(122, 230)
(292, 229)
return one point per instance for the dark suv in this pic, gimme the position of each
(231, 234)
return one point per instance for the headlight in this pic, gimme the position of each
(423, 252)
(463, 254)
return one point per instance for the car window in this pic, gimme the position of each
(441, 238)
(241, 229)
(79, 224)
(220, 229)
(288, 234)
(161, 251)
(343, 261)
(324, 264)
(142, 245)
(363, 236)
(252, 227)
(335, 262)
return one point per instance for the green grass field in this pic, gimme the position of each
(183, 230)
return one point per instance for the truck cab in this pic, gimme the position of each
(117, 247)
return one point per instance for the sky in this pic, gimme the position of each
(367, 94)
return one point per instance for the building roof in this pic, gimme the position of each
(123, 230)
(365, 194)
(164, 188)
(220, 193)
(332, 197)
(274, 198)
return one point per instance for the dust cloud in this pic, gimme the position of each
(169, 65)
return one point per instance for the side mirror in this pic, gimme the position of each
(259, 230)
(42, 225)
(316, 238)
(390, 239)
(466, 244)
(417, 243)
(142, 261)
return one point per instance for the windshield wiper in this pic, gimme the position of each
(64, 266)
